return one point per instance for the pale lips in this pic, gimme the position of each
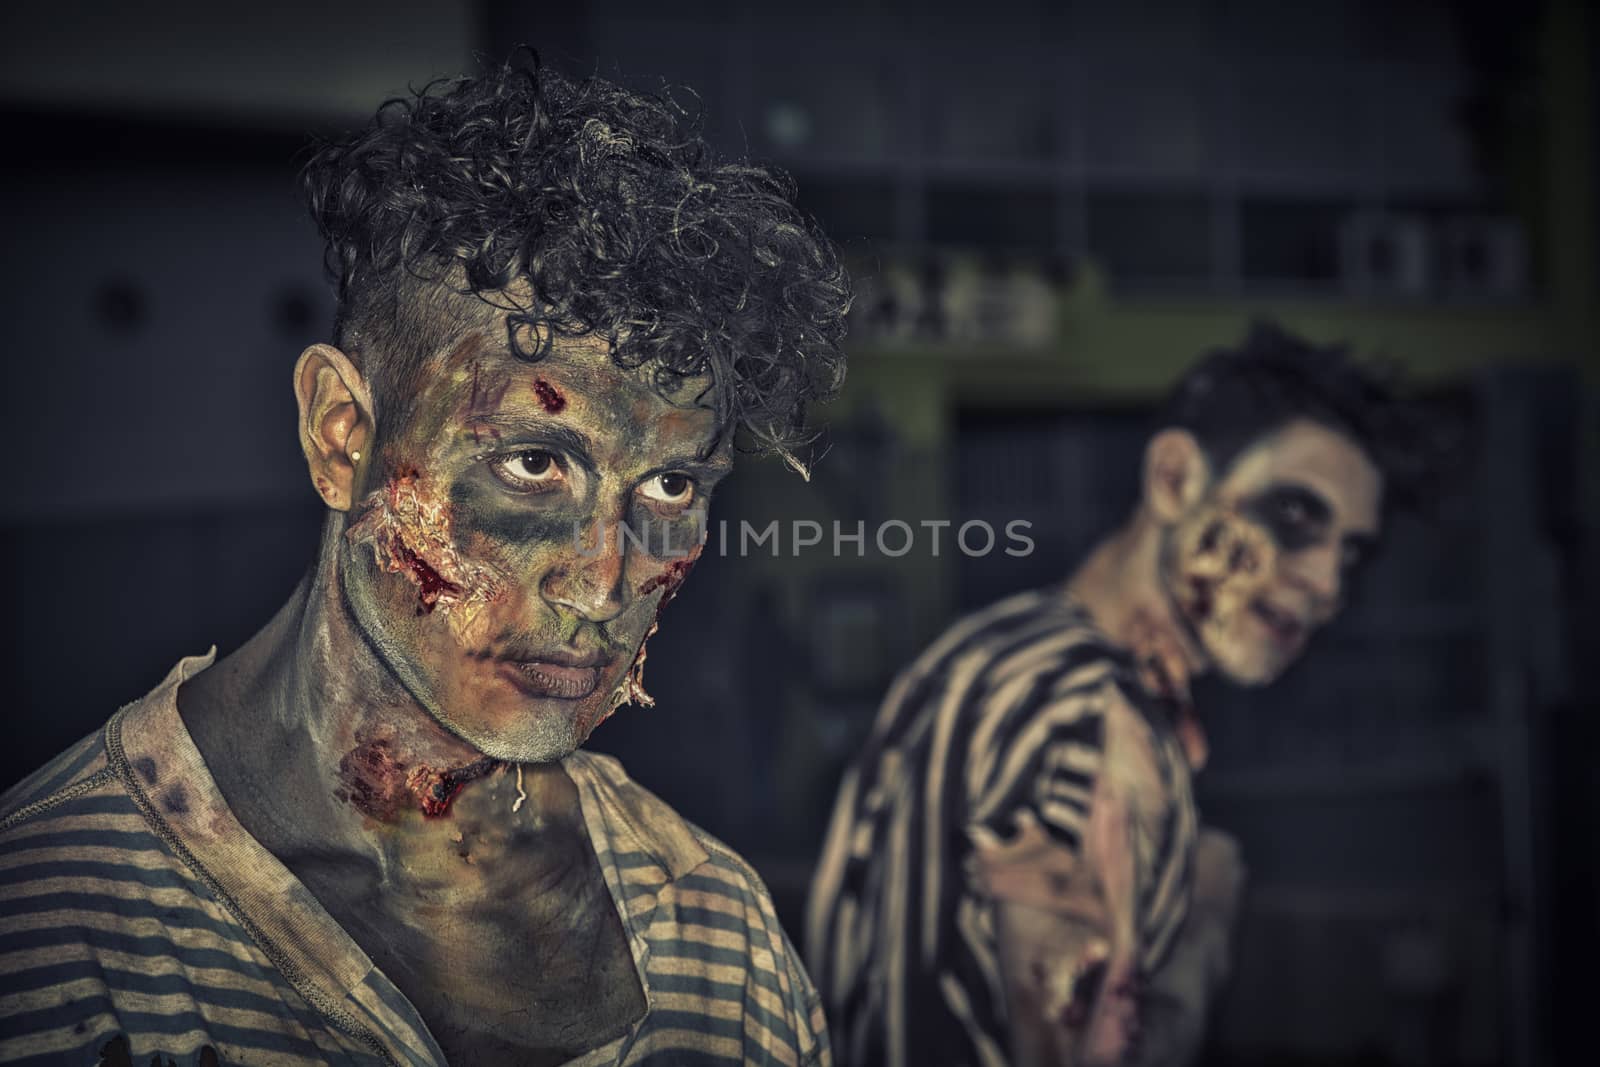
(542, 678)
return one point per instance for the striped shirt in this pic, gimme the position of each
(137, 915)
(1002, 724)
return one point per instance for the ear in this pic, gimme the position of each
(336, 422)
(1176, 475)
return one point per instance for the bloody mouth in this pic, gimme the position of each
(540, 678)
(1285, 629)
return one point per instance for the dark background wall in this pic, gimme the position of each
(1049, 209)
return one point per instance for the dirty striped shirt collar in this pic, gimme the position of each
(150, 750)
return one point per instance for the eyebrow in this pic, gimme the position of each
(574, 441)
(1322, 512)
(582, 448)
(720, 464)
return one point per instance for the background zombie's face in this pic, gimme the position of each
(461, 563)
(1263, 559)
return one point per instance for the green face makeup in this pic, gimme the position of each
(474, 566)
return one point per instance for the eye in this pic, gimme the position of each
(1352, 556)
(1296, 517)
(1292, 511)
(532, 471)
(669, 490)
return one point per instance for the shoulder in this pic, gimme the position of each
(91, 905)
(691, 862)
(80, 769)
(722, 913)
(725, 978)
(69, 822)
(1025, 648)
(68, 825)
(1014, 622)
(1050, 680)
(977, 683)
(88, 767)
(1050, 711)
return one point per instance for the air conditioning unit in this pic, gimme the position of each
(1384, 254)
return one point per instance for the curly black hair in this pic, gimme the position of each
(1233, 397)
(581, 208)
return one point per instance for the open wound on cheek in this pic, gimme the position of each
(1225, 563)
(631, 690)
(407, 524)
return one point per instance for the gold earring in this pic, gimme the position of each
(355, 455)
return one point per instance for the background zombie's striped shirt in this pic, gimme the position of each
(1004, 714)
(138, 918)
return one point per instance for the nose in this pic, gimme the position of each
(587, 580)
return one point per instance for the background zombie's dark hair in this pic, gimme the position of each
(1233, 397)
(604, 212)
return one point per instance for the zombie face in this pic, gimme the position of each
(485, 559)
(1263, 558)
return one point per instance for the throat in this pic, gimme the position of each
(1163, 653)
(384, 779)
(434, 789)
(1121, 586)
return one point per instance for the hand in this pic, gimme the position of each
(1072, 995)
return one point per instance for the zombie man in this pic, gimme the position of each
(1014, 872)
(370, 834)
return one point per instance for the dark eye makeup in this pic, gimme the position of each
(1295, 516)
(529, 470)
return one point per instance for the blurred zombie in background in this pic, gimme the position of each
(1015, 871)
